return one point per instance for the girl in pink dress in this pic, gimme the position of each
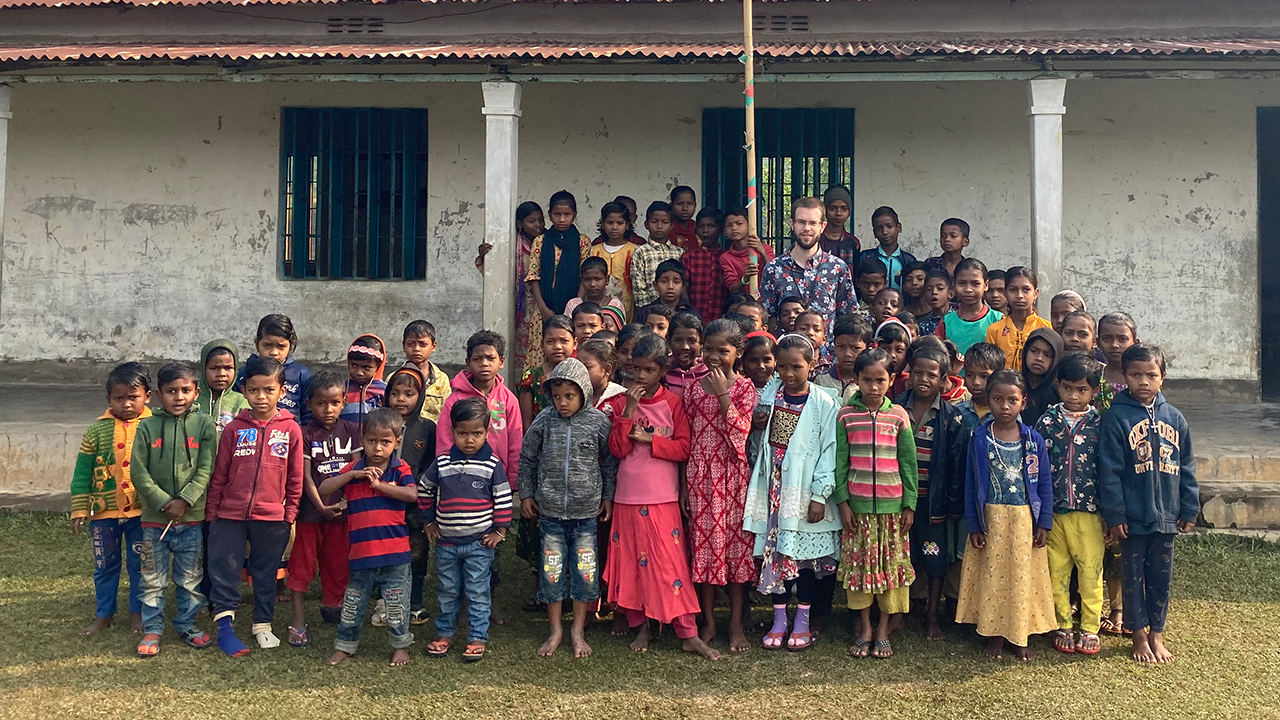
(719, 407)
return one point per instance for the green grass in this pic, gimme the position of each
(1225, 615)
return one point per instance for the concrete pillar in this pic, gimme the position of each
(6, 94)
(502, 154)
(1045, 107)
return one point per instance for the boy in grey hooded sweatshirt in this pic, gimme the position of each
(567, 478)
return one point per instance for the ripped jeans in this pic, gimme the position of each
(464, 570)
(569, 568)
(361, 589)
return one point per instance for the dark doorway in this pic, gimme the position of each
(1269, 247)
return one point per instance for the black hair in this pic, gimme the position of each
(1007, 377)
(794, 299)
(631, 330)
(662, 311)
(854, 326)
(934, 353)
(605, 335)
(600, 349)
(891, 333)
(764, 341)
(869, 357)
(1018, 271)
(382, 418)
(740, 301)
(657, 206)
(172, 371)
(1142, 352)
(957, 222)
(490, 338)
(594, 263)
(625, 199)
(610, 208)
(469, 410)
(277, 325)
(985, 355)
(688, 321)
(910, 267)
(1119, 318)
(563, 197)
(671, 265)
(402, 376)
(939, 273)
(554, 322)
(953, 350)
(527, 208)
(736, 211)
(882, 211)
(906, 317)
(1077, 366)
(218, 352)
(971, 263)
(421, 329)
(730, 329)
(923, 342)
(589, 308)
(325, 380)
(873, 266)
(814, 313)
(713, 213)
(1083, 315)
(262, 365)
(795, 342)
(651, 347)
(744, 323)
(994, 274)
(889, 289)
(679, 190)
(370, 342)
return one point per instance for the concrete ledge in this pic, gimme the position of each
(1193, 391)
(1240, 505)
(48, 502)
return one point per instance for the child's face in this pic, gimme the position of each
(718, 352)
(566, 397)
(994, 296)
(326, 405)
(418, 350)
(658, 224)
(263, 392)
(869, 284)
(1114, 340)
(684, 206)
(379, 444)
(1006, 401)
(897, 351)
(759, 364)
(686, 347)
(837, 214)
(562, 216)
(646, 373)
(912, 283)
(469, 436)
(1144, 379)
(658, 324)
(624, 350)
(534, 224)
(1039, 357)
(736, 229)
(812, 327)
(937, 293)
(630, 205)
(484, 364)
(708, 231)
(614, 227)
(886, 230)
(927, 378)
(975, 379)
(275, 347)
(1058, 312)
(594, 282)
(885, 306)
(220, 371)
(755, 313)
(558, 344)
(793, 368)
(585, 325)
(403, 398)
(1077, 335)
(1020, 294)
(669, 286)
(1076, 394)
(178, 395)
(952, 240)
(873, 383)
(970, 288)
(787, 315)
(598, 373)
(847, 349)
(361, 370)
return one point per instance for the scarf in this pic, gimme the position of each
(560, 285)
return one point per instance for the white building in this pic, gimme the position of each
(175, 170)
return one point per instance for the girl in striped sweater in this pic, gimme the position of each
(876, 487)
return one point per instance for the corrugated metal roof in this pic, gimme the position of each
(143, 3)
(525, 49)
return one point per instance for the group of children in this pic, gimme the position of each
(660, 460)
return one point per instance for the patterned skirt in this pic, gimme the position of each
(648, 565)
(1004, 587)
(876, 557)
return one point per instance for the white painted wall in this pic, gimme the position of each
(171, 238)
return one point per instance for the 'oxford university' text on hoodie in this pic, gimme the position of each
(1146, 472)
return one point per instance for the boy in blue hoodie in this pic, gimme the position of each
(1148, 492)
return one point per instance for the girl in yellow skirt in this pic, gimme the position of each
(1008, 508)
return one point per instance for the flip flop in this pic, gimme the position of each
(773, 640)
(149, 648)
(196, 638)
(299, 637)
(474, 652)
(419, 617)
(1083, 644)
(861, 649)
(806, 642)
(439, 647)
(881, 646)
(1063, 642)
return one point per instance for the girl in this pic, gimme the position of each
(758, 364)
(1080, 334)
(530, 223)
(894, 338)
(789, 505)
(617, 249)
(600, 359)
(886, 304)
(1117, 332)
(552, 278)
(277, 340)
(684, 205)
(647, 571)
(405, 395)
(627, 338)
(1010, 334)
(913, 276)
(1040, 358)
(720, 407)
(593, 285)
(967, 324)
(687, 367)
(1062, 305)
(1008, 511)
(876, 488)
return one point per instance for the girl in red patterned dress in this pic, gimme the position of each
(715, 490)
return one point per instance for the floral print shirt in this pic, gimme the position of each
(826, 285)
(1073, 457)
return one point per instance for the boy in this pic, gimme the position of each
(645, 260)
(102, 492)
(366, 360)
(885, 225)
(465, 503)
(937, 295)
(419, 344)
(887, 303)
(870, 281)
(669, 281)
(707, 292)
(216, 398)
(567, 478)
(981, 361)
(788, 310)
(1077, 539)
(743, 263)
(953, 236)
(588, 319)
(913, 288)
(418, 449)
(748, 307)
(486, 351)
(320, 533)
(994, 296)
(835, 239)
(1148, 493)
(254, 495)
(172, 461)
(941, 439)
(968, 323)
(811, 325)
(658, 320)
(853, 334)
(377, 487)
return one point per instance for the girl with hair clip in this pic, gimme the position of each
(1062, 305)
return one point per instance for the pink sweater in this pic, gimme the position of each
(650, 474)
(506, 429)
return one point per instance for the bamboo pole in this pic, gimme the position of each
(749, 91)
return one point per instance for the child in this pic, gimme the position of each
(1148, 492)
(743, 263)
(648, 569)
(103, 493)
(885, 225)
(788, 310)
(811, 325)
(758, 363)
(254, 495)
(1008, 511)
(594, 284)
(419, 344)
(417, 449)
(937, 295)
(465, 502)
(627, 339)
(630, 204)
(320, 533)
(893, 337)
(853, 335)
(1077, 540)
(909, 322)
(558, 344)
(600, 359)
(645, 260)
(277, 340)
(953, 236)
(968, 323)
(706, 289)
(567, 480)
(719, 408)
(913, 288)
(615, 251)
(614, 319)
(658, 320)
(835, 239)
(980, 362)
(749, 307)
(172, 460)
(553, 278)
(684, 203)
(941, 434)
(994, 296)
(669, 280)
(876, 491)
(588, 319)
(216, 398)
(366, 361)
(1040, 358)
(377, 488)
(1062, 305)
(953, 389)
(1117, 332)
(886, 304)
(789, 503)
(1080, 334)
(870, 281)
(1011, 332)
(687, 367)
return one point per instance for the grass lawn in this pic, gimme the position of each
(1224, 619)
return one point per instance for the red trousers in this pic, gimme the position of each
(684, 625)
(322, 544)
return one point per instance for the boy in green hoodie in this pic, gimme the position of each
(173, 452)
(218, 362)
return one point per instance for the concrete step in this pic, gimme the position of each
(1240, 505)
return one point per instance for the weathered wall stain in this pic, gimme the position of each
(152, 214)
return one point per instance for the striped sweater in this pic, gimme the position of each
(466, 496)
(101, 488)
(875, 458)
(375, 522)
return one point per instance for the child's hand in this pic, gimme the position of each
(332, 512)
(753, 242)
(491, 539)
(1186, 526)
(432, 531)
(76, 524)
(846, 516)
(908, 519)
(817, 511)
(633, 400)
(684, 502)
(529, 509)
(1040, 538)
(759, 419)
(978, 540)
(750, 269)
(175, 508)
(1119, 532)
(481, 252)
(640, 435)
(373, 473)
(606, 511)
(718, 381)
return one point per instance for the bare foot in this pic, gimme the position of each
(98, 625)
(1142, 648)
(135, 623)
(337, 657)
(579, 643)
(620, 628)
(1161, 653)
(696, 645)
(994, 648)
(935, 630)
(399, 658)
(552, 644)
(738, 641)
(497, 617)
(641, 643)
(1024, 654)
(708, 632)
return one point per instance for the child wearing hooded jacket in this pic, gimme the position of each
(276, 339)
(406, 392)
(218, 361)
(366, 361)
(486, 353)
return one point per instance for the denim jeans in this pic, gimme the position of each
(362, 589)
(184, 546)
(464, 569)
(569, 567)
(109, 537)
